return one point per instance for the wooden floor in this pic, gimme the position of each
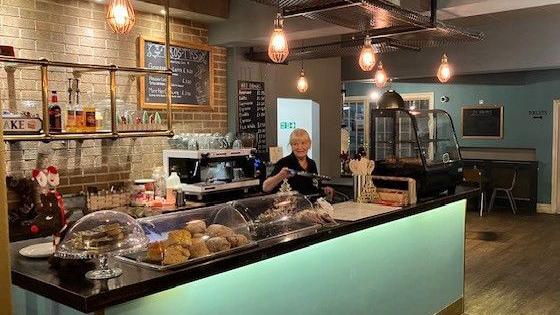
(512, 264)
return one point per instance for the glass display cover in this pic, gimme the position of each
(279, 214)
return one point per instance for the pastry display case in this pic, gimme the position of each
(99, 235)
(418, 144)
(188, 237)
(281, 214)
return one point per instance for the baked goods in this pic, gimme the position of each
(219, 230)
(155, 251)
(100, 237)
(175, 254)
(181, 237)
(196, 227)
(217, 244)
(312, 216)
(198, 248)
(237, 240)
(194, 241)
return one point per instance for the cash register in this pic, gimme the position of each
(206, 173)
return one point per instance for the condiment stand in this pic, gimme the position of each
(99, 235)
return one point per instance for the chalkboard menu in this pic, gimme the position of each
(251, 111)
(192, 81)
(483, 122)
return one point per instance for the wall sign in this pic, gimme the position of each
(537, 114)
(21, 125)
(193, 74)
(482, 122)
(287, 125)
(251, 111)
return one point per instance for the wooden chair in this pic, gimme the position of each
(473, 176)
(508, 191)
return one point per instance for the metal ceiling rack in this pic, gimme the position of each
(11, 63)
(392, 27)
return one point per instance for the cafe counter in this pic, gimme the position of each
(404, 261)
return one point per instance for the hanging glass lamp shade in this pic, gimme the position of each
(367, 56)
(302, 84)
(278, 45)
(380, 76)
(444, 72)
(120, 16)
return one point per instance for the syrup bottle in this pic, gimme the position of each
(55, 114)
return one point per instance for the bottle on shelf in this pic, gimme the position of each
(55, 114)
(80, 122)
(70, 111)
(89, 112)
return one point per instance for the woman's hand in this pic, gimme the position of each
(273, 181)
(284, 173)
(329, 192)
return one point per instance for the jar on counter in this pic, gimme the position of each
(142, 192)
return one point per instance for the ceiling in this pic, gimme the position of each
(249, 22)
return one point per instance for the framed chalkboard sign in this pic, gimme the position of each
(193, 75)
(482, 122)
(251, 114)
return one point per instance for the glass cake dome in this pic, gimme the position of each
(102, 234)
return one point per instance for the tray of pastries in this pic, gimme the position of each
(194, 243)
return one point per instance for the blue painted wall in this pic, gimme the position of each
(530, 91)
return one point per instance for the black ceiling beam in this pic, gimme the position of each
(319, 8)
(433, 13)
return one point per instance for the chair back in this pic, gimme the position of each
(472, 175)
(513, 180)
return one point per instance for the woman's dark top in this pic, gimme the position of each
(304, 185)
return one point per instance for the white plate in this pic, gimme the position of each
(41, 250)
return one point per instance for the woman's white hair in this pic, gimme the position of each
(299, 134)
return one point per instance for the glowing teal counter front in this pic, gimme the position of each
(412, 265)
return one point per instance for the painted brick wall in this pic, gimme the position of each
(75, 31)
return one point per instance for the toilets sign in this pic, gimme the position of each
(287, 125)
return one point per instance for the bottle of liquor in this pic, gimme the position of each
(89, 111)
(55, 114)
(80, 123)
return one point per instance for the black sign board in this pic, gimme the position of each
(251, 111)
(192, 81)
(482, 122)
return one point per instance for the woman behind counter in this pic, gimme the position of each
(298, 161)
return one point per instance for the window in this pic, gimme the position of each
(355, 125)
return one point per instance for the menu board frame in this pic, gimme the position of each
(485, 135)
(142, 79)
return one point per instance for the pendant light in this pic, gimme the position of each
(278, 45)
(380, 76)
(302, 81)
(367, 56)
(444, 72)
(120, 16)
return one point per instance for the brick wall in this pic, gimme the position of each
(75, 31)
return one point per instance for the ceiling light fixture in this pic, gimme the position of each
(444, 72)
(120, 16)
(367, 56)
(278, 45)
(380, 76)
(302, 84)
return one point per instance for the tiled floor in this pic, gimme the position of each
(512, 264)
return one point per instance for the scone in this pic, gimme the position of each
(175, 254)
(198, 248)
(219, 230)
(182, 237)
(237, 240)
(198, 235)
(196, 226)
(155, 251)
(217, 244)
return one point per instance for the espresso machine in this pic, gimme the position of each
(207, 173)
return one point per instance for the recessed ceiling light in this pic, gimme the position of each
(162, 12)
